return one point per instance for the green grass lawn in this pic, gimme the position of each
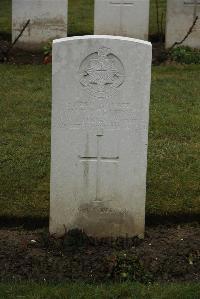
(173, 157)
(173, 160)
(25, 140)
(86, 291)
(81, 17)
(81, 14)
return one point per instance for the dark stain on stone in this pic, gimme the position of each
(96, 219)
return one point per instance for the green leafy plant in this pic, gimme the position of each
(127, 266)
(47, 49)
(185, 55)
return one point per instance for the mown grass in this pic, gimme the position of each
(86, 291)
(173, 160)
(173, 157)
(81, 16)
(25, 140)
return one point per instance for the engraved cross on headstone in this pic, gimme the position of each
(122, 4)
(98, 159)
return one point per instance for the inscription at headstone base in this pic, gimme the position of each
(48, 20)
(101, 88)
(182, 16)
(122, 17)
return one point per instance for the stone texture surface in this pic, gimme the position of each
(122, 17)
(48, 20)
(180, 17)
(101, 91)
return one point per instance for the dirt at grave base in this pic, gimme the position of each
(168, 253)
(21, 57)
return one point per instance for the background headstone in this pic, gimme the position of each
(48, 20)
(122, 17)
(180, 17)
(101, 91)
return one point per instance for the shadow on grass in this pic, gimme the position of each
(31, 223)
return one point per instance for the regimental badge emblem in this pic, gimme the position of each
(102, 73)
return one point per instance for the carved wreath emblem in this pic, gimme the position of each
(102, 73)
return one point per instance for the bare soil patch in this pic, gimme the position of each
(18, 56)
(168, 253)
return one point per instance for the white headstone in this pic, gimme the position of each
(181, 14)
(101, 90)
(122, 17)
(48, 20)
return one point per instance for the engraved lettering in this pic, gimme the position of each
(122, 3)
(192, 2)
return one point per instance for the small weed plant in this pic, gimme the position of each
(128, 267)
(47, 49)
(185, 55)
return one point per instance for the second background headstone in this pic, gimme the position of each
(182, 15)
(122, 17)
